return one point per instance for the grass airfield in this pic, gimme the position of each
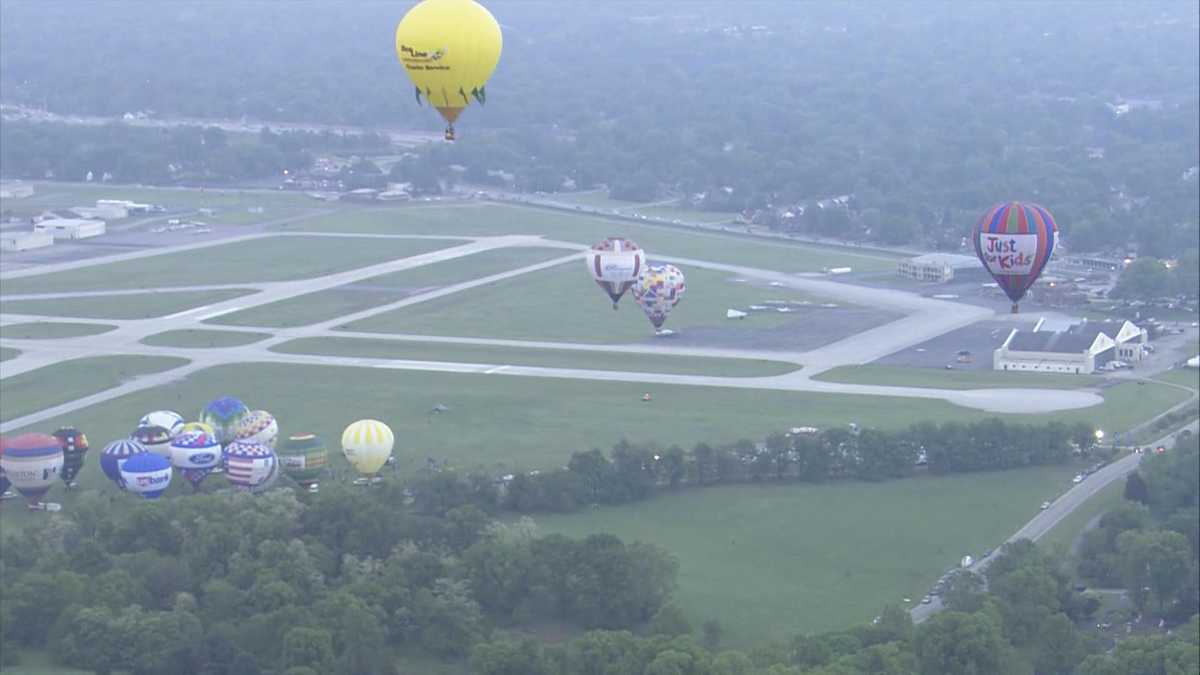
(806, 557)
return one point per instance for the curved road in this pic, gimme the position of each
(1059, 509)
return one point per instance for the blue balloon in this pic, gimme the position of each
(117, 453)
(146, 474)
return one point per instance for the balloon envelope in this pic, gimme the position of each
(114, 455)
(615, 265)
(199, 426)
(4, 484)
(658, 290)
(32, 462)
(250, 466)
(75, 447)
(1014, 241)
(167, 419)
(146, 474)
(303, 457)
(367, 444)
(449, 48)
(156, 439)
(257, 426)
(223, 415)
(195, 454)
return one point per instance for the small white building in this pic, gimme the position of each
(105, 212)
(934, 267)
(70, 228)
(1080, 349)
(24, 241)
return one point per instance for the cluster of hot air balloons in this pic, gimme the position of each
(618, 265)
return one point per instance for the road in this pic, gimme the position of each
(1059, 509)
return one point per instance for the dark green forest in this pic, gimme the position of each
(925, 113)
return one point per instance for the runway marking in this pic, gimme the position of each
(497, 369)
(206, 317)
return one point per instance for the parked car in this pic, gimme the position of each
(1045, 505)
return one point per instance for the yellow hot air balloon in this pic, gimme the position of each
(449, 49)
(367, 445)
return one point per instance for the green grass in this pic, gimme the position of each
(774, 561)
(563, 304)
(1184, 377)
(201, 338)
(495, 219)
(901, 376)
(1126, 405)
(684, 214)
(63, 195)
(594, 198)
(49, 386)
(7, 353)
(549, 358)
(1064, 533)
(271, 259)
(136, 306)
(334, 302)
(50, 330)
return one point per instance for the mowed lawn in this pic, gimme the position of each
(321, 306)
(496, 422)
(257, 260)
(130, 306)
(7, 353)
(52, 330)
(62, 382)
(940, 378)
(66, 195)
(548, 358)
(1184, 377)
(200, 338)
(774, 561)
(564, 304)
(494, 219)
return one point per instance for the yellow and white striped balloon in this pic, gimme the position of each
(367, 445)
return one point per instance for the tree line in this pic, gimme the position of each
(633, 472)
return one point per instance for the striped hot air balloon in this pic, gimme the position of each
(115, 454)
(75, 447)
(303, 457)
(367, 445)
(32, 462)
(615, 265)
(252, 467)
(146, 474)
(1014, 241)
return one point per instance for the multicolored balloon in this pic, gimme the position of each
(251, 467)
(146, 474)
(156, 439)
(1014, 241)
(75, 447)
(223, 415)
(195, 454)
(367, 445)
(167, 419)
(115, 454)
(658, 290)
(615, 264)
(303, 457)
(198, 426)
(32, 462)
(257, 426)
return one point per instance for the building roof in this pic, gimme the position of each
(954, 260)
(1056, 342)
(67, 222)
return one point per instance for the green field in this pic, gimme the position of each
(329, 304)
(134, 306)
(496, 219)
(774, 561)
(7, 353)
(1064, 533)
(200, 338)
(549, 358)
(66, 195)
(940, 378)
(1184, 377)
(684, 214)
(594, 198)
(563, 304)
(52, 330)
(49, 386)
(272, 259)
